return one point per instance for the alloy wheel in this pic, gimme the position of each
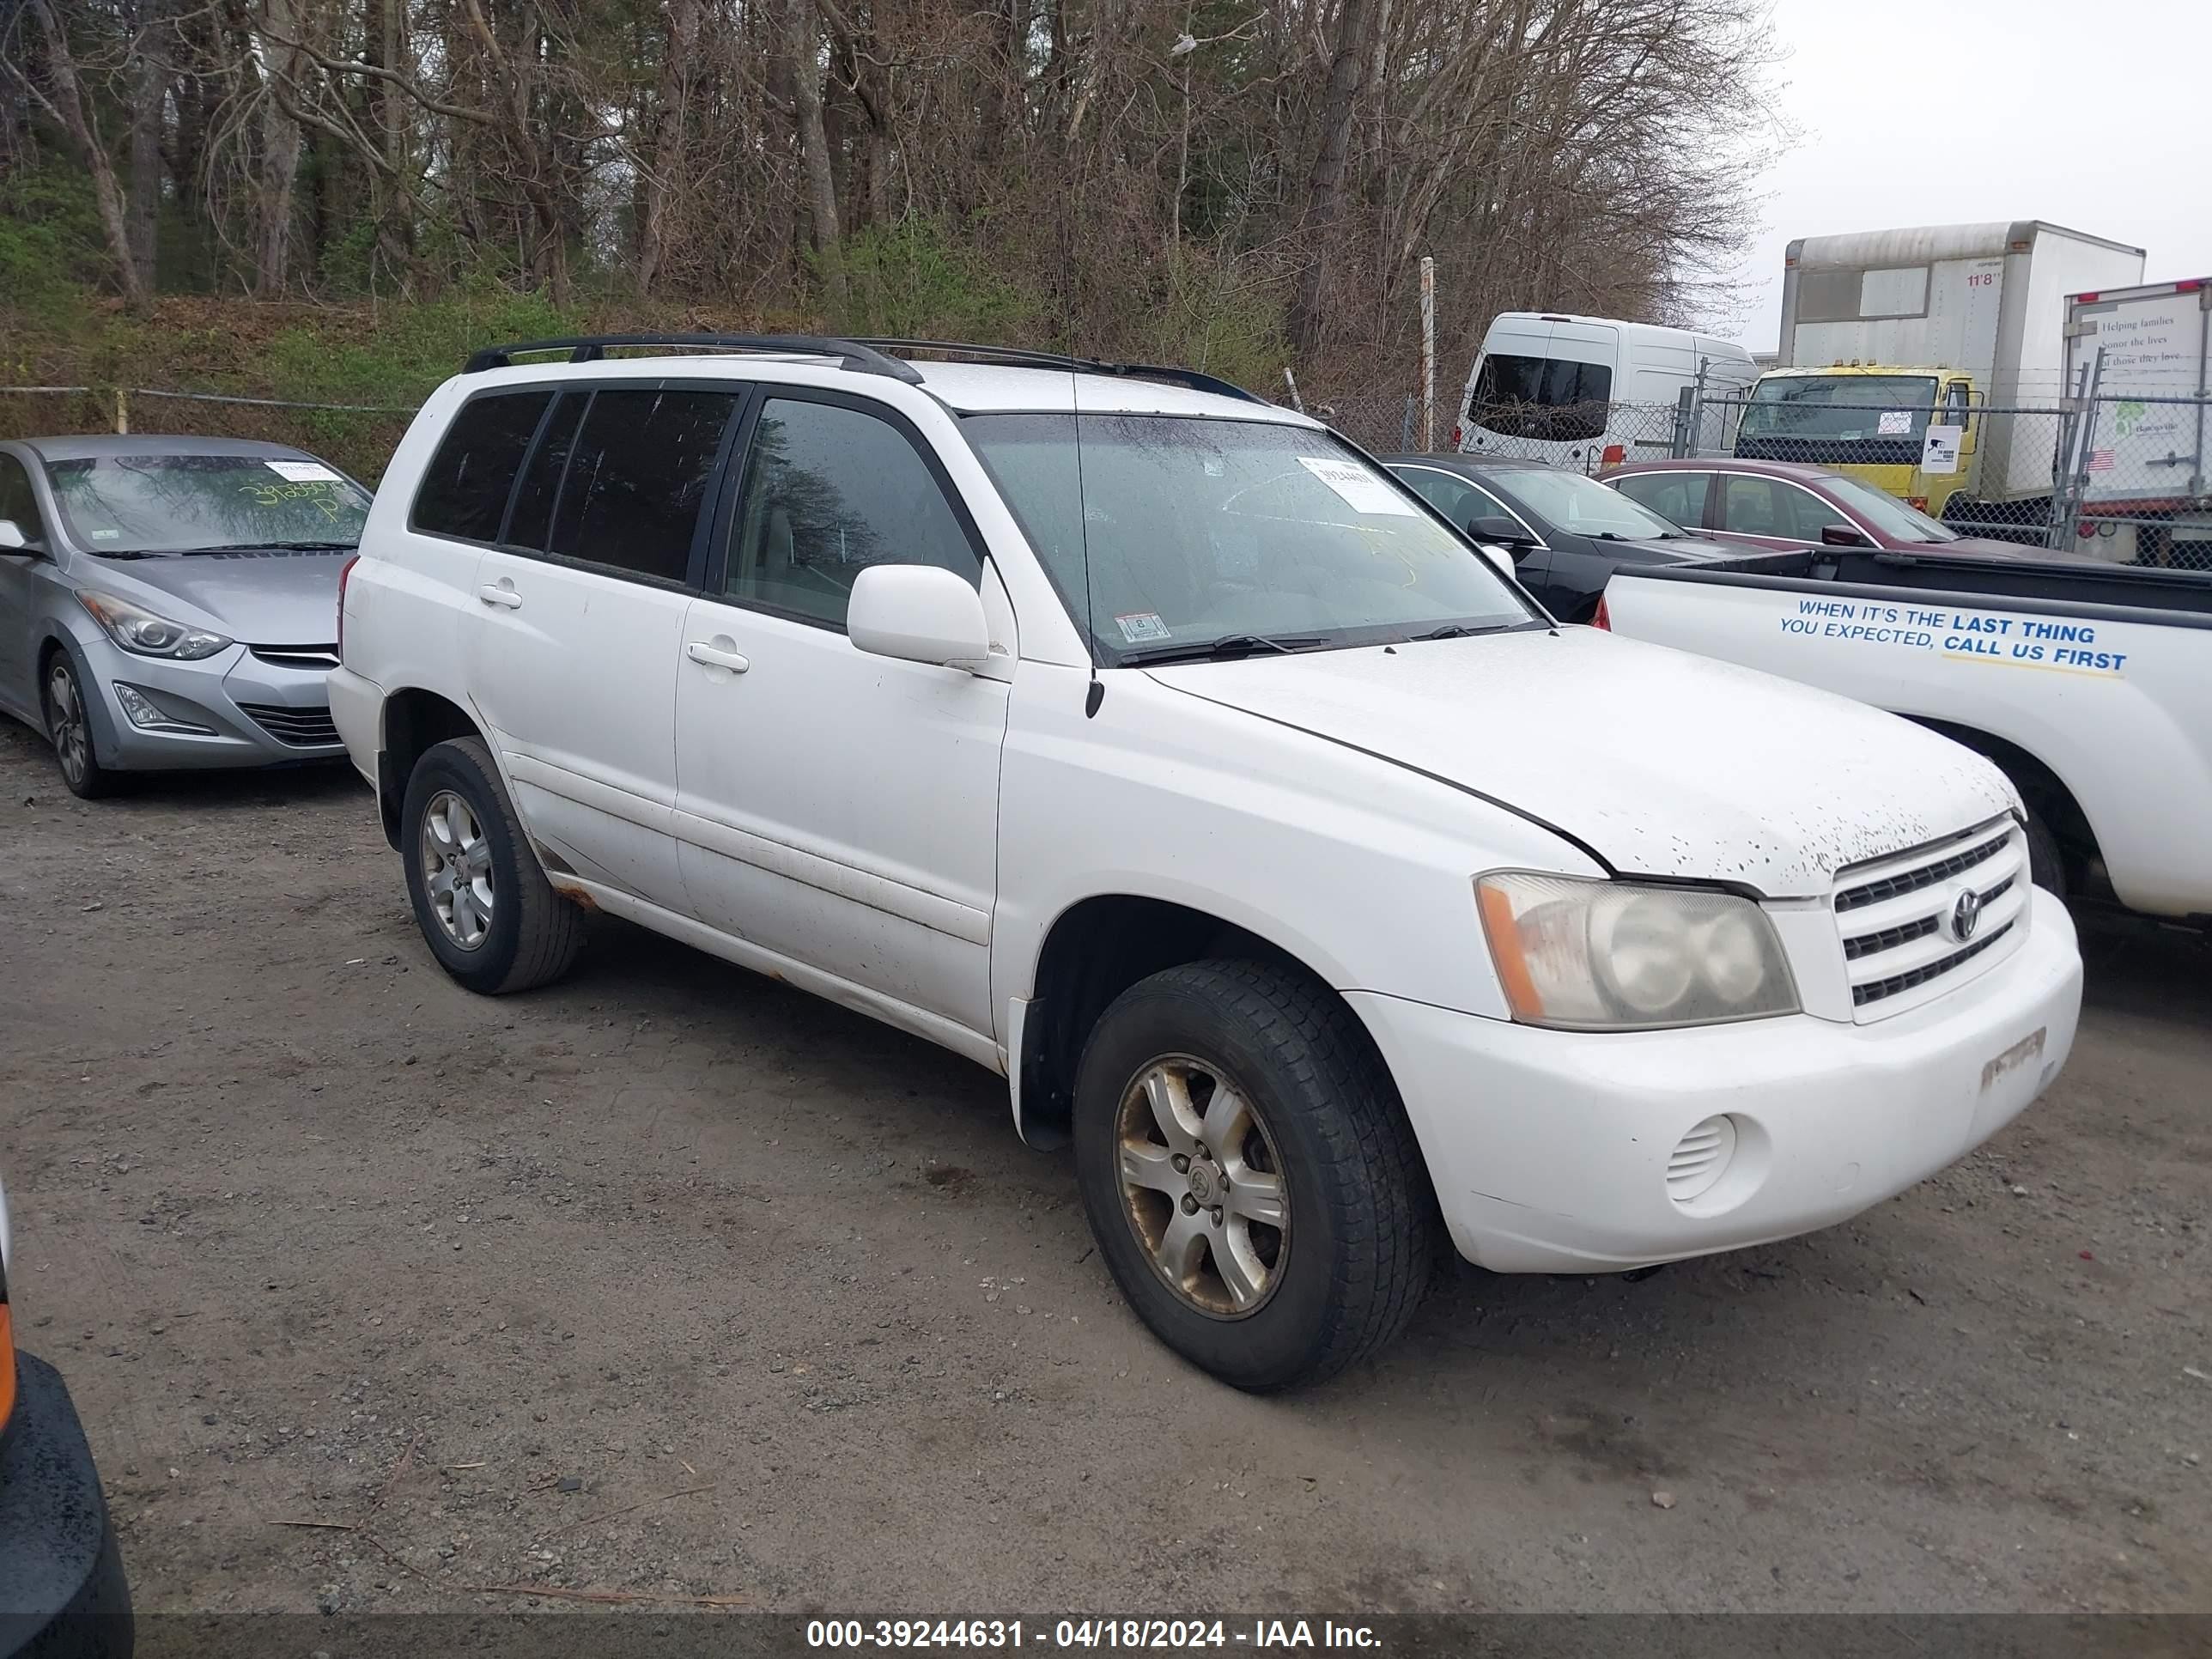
(1202, 1187)
(457, 870)
(72, 737)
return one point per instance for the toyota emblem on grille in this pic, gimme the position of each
(1966, 915)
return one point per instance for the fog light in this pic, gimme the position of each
(150, 716)
(1701, 1158)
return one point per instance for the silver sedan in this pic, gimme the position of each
(170, 602)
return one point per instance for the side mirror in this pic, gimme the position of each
(12, 538)
(1842, 535)
(1496, 527)
(918, 613)
(1500, 560)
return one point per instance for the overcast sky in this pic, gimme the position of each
(2095, 114)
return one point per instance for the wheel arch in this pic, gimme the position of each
(2039, 785)
(57, 641)
(1096, 948)
(414, 719)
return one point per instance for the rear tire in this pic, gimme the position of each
(483, 904)
(1280, 1071)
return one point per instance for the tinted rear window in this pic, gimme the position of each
(465, 491)
(638, 478)
(541, 482)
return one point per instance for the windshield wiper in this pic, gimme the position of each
(1463, 631)
(1227, 647)
(273, 547)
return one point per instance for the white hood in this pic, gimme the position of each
(1661, 762)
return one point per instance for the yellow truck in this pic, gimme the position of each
(1869, 419)
(1885, 331)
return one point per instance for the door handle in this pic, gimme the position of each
(712, 657)
(506, 598)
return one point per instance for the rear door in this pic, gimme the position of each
(1677, 497)
(1772, 512)
(583, 601)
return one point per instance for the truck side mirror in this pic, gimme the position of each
(12, 538)
(1843, 535)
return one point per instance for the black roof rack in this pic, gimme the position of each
(1020, 357)
(591, 348)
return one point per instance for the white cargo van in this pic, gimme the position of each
(1588, 391)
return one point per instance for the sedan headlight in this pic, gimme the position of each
(1614, 955)
(138, 629)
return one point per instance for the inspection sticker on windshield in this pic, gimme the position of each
(1140, 625)
(301, 472)
(1361, 490)
(1895, 422)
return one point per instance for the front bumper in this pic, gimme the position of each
(1550, 1150)
(62, 1590)
(254, 712)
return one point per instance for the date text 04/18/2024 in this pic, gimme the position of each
(1166, 1634)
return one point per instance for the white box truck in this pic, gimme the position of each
(2142, 481)
(1904, 322)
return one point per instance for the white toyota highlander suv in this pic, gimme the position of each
(1155, 749)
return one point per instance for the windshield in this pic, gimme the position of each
(1580, 505)
(1223, 533)
(1885, 513)
(143, 504)
(1846, 406)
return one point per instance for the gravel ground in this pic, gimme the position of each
(670, 1280)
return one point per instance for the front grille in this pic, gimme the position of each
(307, 726)
(296, 656)
(1867, 943)
(1873, 892)
(1876, 990)
(1911, 925)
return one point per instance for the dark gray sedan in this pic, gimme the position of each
(1567, 533)
(170, 602)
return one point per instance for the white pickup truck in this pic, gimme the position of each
(2091, 686)
(1163, 754)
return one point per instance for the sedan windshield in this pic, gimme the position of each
(1892, 517)
(1177, 537)
(142, 505)
(1580, 505)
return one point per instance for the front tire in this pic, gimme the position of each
(69, 726)
(2046, 867)
(483, 904)
(1250, 1174)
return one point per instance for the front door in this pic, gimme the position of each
(839, 810)
(583, 608)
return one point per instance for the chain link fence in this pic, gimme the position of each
(357, 438)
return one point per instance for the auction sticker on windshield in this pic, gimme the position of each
(1359, 489)
(302, 472)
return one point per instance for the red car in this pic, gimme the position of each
(1786, 505)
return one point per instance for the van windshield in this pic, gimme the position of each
(1548, 399)
(1174, 535)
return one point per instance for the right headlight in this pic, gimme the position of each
(1610, 955)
